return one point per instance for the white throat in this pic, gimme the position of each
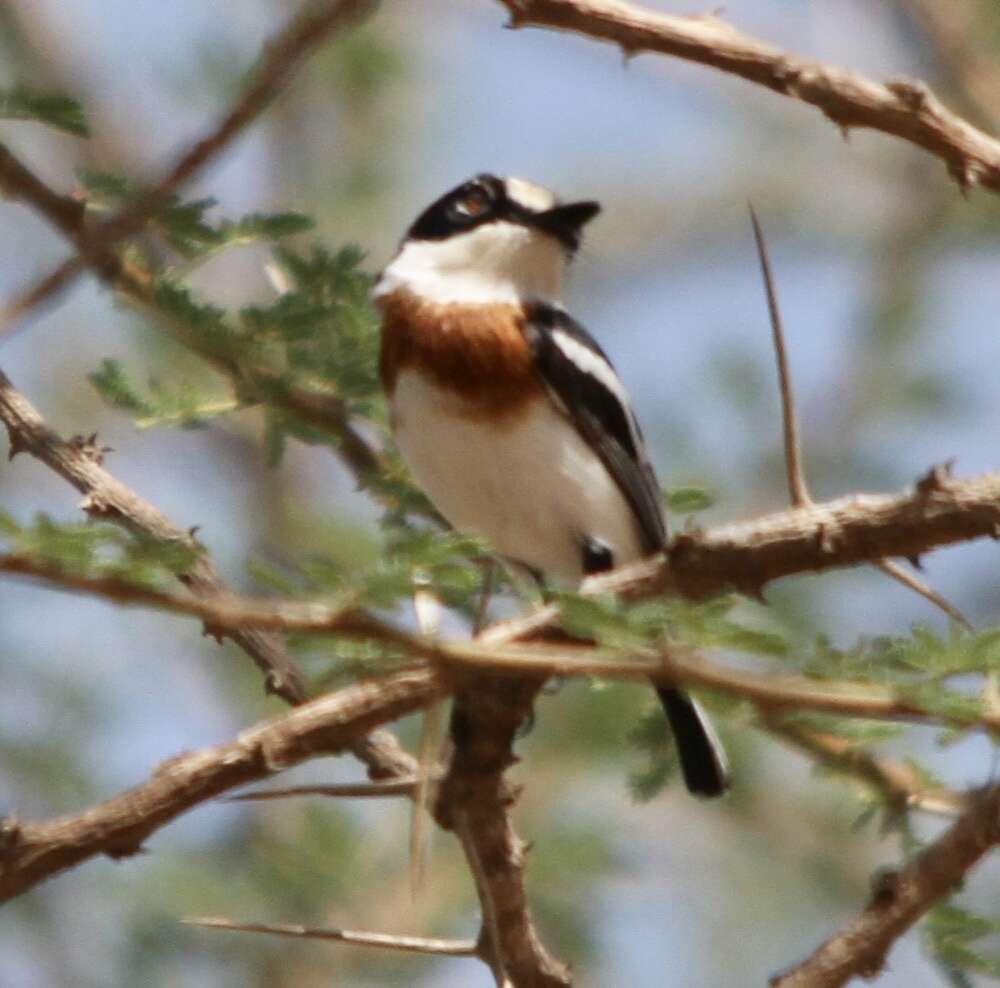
(495, 262)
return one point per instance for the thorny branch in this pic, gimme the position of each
(902, 108)
(900, 898)
(32, 852)
(743, 556)
(849, 531)
(79, 462)
(900, 785)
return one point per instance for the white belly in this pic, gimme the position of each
(531, 488)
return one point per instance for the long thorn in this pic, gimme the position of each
(798, 489)
(915, 583)
(418, 945)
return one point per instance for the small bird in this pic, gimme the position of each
(508, 413)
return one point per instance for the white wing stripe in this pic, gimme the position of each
(589, 362)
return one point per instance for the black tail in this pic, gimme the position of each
(703, 762)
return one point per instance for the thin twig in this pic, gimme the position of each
(508, 660)
(485, 595)
(221, 612)
(900, 898)
(281, 58)
(902, 108)
(387, 941)
(902, 786)
(344, 790)
(778, 690)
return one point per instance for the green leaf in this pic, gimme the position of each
(186, 223)
(951, 932)
(208, 323)
(96, 549)
(113, 386)
(265, 226)
(867, 815)
(931, 696)
(8, 526)
(755, 641)
(652, 736)
(106, 187)
(688, 500)
(61, 112)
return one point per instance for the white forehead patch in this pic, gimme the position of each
(530, 196)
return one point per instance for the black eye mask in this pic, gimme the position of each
(484, 199)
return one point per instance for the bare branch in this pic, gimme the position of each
(388, 941)
(32, 852)
(860, 528)
(17, 182)
(902, 108)
(280, 59)
(474, 801)
(900, 898)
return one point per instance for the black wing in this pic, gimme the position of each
(580, 376)
(584, 383)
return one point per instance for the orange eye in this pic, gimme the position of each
(473, 203)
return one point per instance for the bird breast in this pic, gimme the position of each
(527, 482)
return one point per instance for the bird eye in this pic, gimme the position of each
(473, 203)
